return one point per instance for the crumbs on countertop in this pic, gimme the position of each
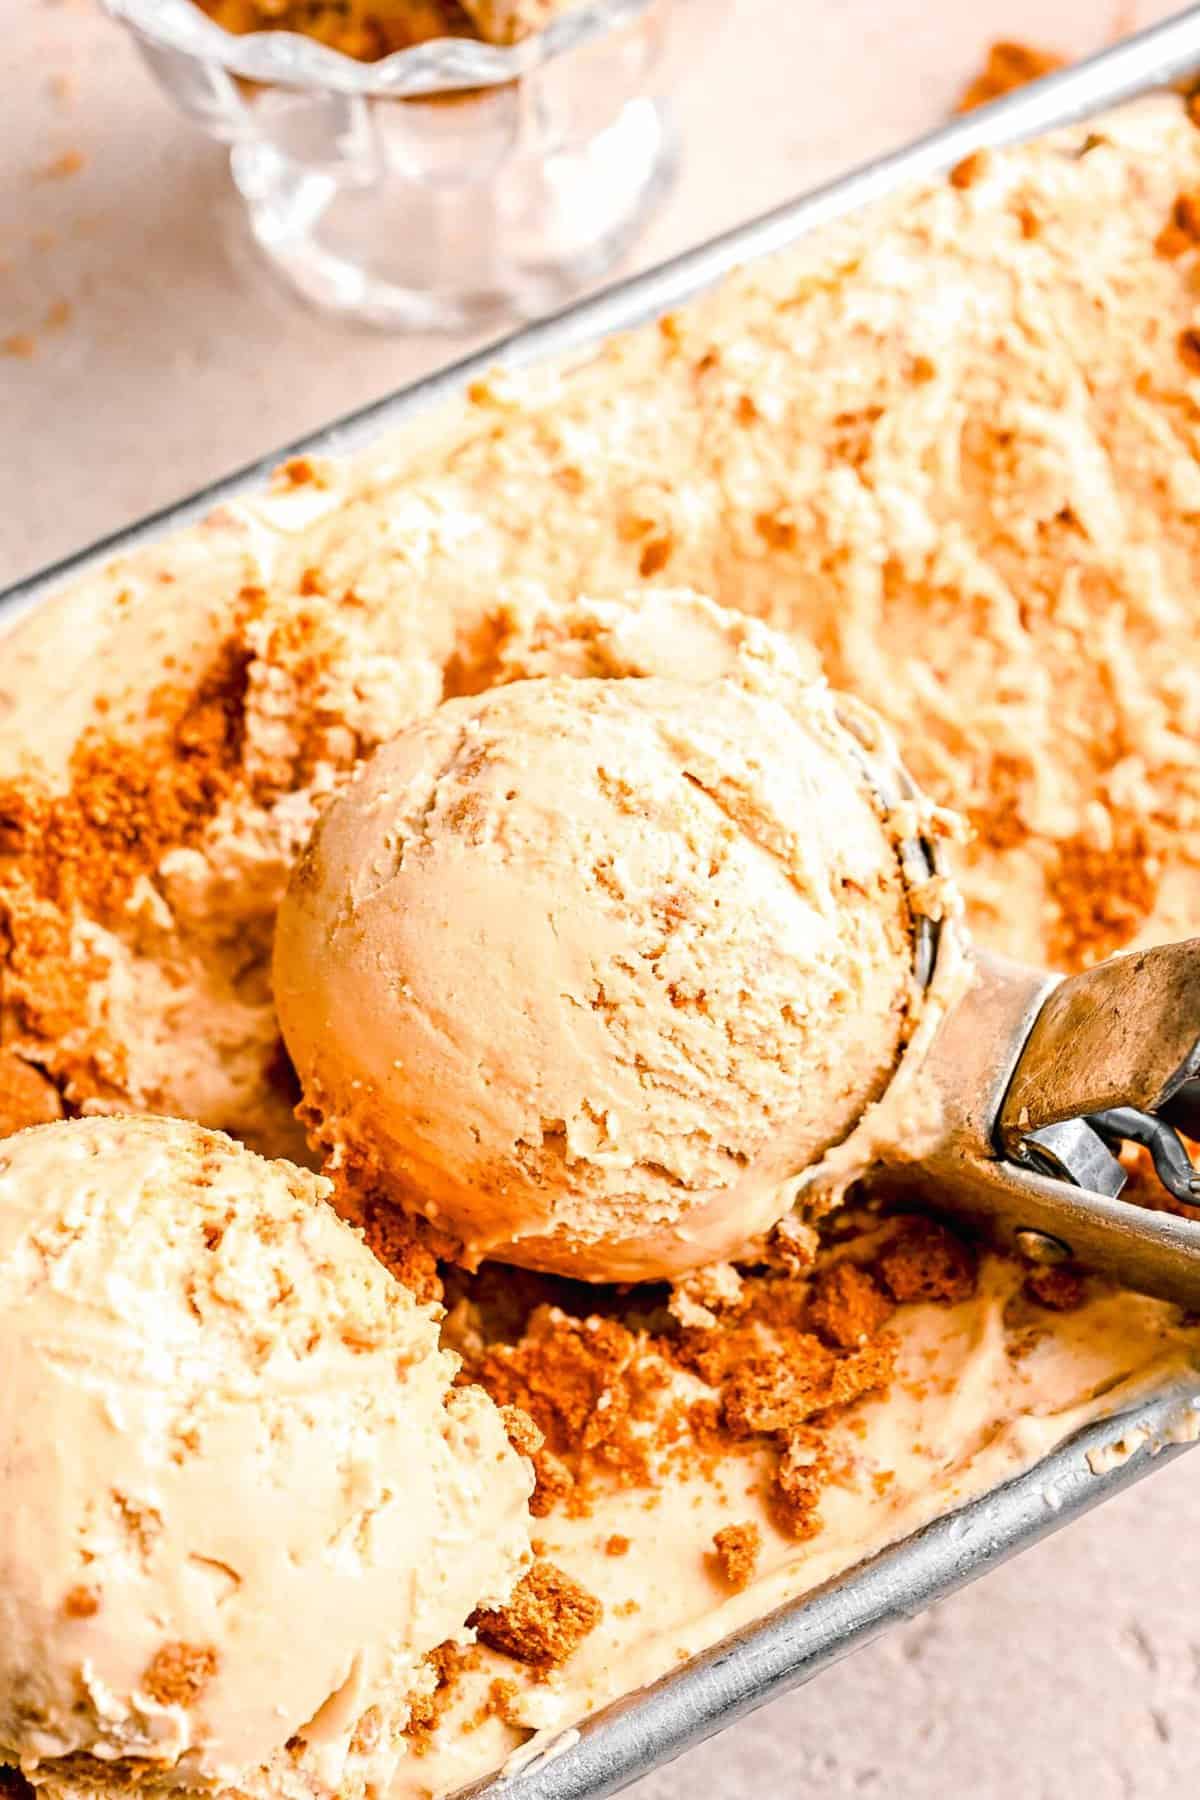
(1009, 66)
(61, 167)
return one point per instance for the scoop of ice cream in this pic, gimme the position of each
(588, 970)
(239, 1497)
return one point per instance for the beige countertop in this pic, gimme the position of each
(161, 359)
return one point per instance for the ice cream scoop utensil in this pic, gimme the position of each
(1040, 1080)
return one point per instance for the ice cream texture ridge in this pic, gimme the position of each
(935, 466)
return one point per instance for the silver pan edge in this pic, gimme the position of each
(798, 1641)
(788, 1647)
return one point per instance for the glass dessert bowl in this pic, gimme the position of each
(447, 184)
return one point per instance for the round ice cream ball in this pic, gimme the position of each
(588, 971)
(239, 1497)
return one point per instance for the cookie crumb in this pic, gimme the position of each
(926, 1262)
(1105, 886)
(179, 1673)
(546, 1620)
(1059, 1289)
(441, 1670)
(971, 169)
(781, 1388)
(81, 1603)
(848, 1306)
(26, 1096)
(1009, 65)
(59, 168)
(300, 471)
(800, 1478)
(553, 1483)
(524, 1436)
(736, 1550)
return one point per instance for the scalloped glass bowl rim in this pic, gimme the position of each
(288, 59)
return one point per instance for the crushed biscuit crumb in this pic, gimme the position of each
(59, 168)
(82, 1603)
(924, 1262)
(179, 1673)
(736, 1549)
(1102, 893)
(800, 1476)
(848, 1307)
(970, 170)
(445, 1665)
(546, 1620)
(402, 1245)
(784, 1387)
(26, 1096)
(523, 1434)
(576, 1380)
(1009, 65)
(1062, 1288)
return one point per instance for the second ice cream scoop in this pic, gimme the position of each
(240, 1496)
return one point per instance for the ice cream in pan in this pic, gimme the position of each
(677, 916)
(241, 1501)
(924, 501)
(239, 1493)
(609, 975)
(591, 970)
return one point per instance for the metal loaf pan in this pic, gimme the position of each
(791, 1645)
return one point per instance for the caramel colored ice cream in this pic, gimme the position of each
(592, 971)
(949, 448)
(240, 1498)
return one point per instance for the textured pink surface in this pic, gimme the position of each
(1074, 1671)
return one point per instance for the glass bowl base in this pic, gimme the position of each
(374, 239)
